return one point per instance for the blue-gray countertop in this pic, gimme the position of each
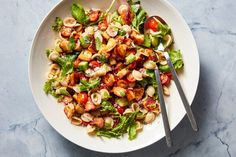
(24, 132)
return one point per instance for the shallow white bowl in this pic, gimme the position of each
(53, 112)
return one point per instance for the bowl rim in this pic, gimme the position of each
(166, 2)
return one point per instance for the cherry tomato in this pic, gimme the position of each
(120, 109)
(109, 79)
(82, 98)
(130, 78)
(122, 83)
(152, 24)
(94, 64)
(165, 80)
(149, 104)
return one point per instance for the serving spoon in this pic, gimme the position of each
(187, 107)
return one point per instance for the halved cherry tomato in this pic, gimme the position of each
(152, 24)
(82, 98)
(109, 79)
(94, 64)
(149, 104)
(130, 78)
(165, 80)
(120, 109)
(122, 83)
(169, 75)
(93, 15)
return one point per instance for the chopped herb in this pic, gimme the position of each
(58, 24)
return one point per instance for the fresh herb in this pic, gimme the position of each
(48, 51)
(79, 14)
(91, 84)
(102, 58)
(107, 106)
(132, 131)
(71, 44)
(57, 24)
(66, 64)
(85, 41)
(140, 15)
(48, 86)
(126, 124)
(176, 59)
(147, 41)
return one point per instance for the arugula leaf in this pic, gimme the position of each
(58, 24)
(176, 59)
(66, 64)
(79, 14)
(139, 18)
(132, 131)
(108, 134)
(71, 44)
(125, 125)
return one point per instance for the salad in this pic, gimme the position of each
(102, 67)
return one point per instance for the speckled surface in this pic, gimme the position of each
(24, 131)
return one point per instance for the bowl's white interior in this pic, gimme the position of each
(53, 112)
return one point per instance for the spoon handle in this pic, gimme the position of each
(163, 109)
(181, 93)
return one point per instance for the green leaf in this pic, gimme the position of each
(102, 58)
(79, 14)
(108, 134)
(176, 59)
(57, 24)
(132, 131)
(71, 44)
(93, 83)
(139, 19)
(48, 51)
(85, 41)
(98, 43)
(147, 41)
(107, 106)
(48, 86)
(66, 64)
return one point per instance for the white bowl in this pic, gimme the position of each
(53, 112)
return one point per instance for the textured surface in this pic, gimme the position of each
(24, 132)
